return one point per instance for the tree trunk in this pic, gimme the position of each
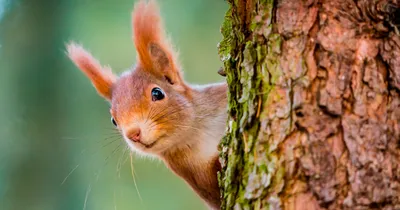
(314, 105)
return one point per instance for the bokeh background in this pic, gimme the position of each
(58, 150)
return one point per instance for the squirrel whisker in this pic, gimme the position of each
(177, 116)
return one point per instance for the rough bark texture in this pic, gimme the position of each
(314, 105)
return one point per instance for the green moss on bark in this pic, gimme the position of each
(303, 107)
(249, 50)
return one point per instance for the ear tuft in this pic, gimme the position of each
(155, 54)
(147, 29)
(101, 77)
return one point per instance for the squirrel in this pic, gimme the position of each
(156, 111)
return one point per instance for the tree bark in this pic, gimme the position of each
(314, 105)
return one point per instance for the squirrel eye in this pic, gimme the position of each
(157, 94)
(113, 122)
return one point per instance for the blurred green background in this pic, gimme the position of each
(58, 150)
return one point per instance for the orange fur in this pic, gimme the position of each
(185, 127)
(102, 78)
(148, 30)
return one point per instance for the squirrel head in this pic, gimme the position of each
(150, 104)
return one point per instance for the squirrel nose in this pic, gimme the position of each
(134, 134)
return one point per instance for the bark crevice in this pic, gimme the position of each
(314, 105)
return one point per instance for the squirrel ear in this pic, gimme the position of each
(101, 77)
(154, 53)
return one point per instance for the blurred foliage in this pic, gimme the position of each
(58, 149)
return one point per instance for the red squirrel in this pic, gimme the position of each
(157, 112)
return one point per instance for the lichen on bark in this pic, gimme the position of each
(249, 51)
(314, 105)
